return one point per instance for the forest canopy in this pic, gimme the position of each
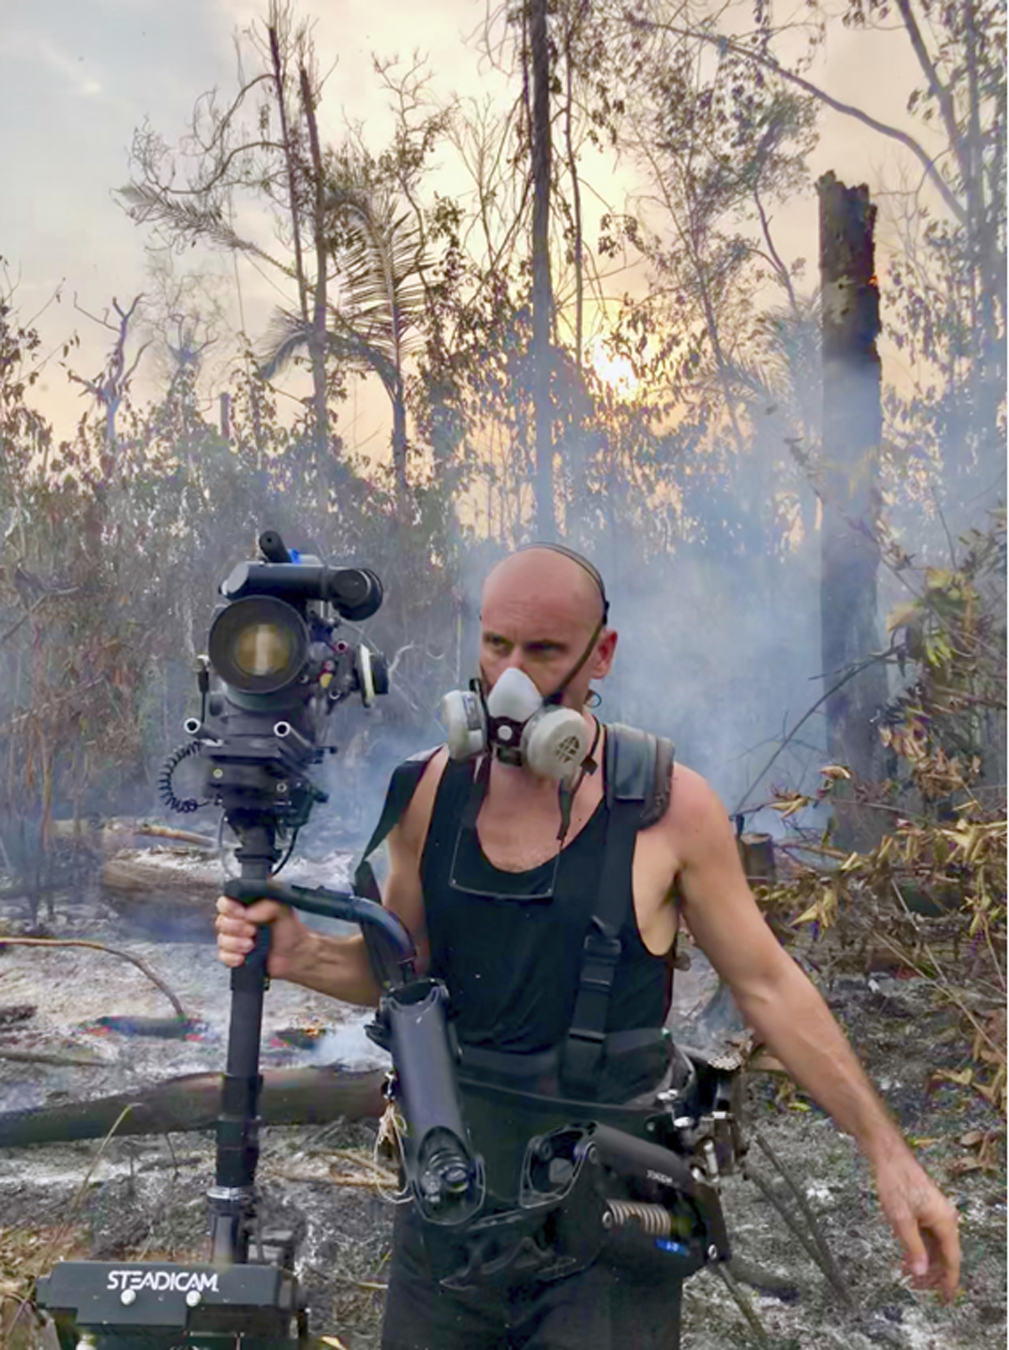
(582, 314)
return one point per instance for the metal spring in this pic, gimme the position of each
(654, 1220)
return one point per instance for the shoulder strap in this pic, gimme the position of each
(638, 784)
(639, 768)
(402, 786)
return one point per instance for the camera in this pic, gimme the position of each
(276, 667)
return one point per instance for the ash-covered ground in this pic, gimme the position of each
(143, 1198)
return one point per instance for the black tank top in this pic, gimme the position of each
(511, 962)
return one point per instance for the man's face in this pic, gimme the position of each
(539, 612)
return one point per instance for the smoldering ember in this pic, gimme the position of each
(316, 338)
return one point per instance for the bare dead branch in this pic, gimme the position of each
(828, 1262)
(45, 1057)
(168, 832)
(794, 1227)
(955, 207)
(742, 1302)
(24, 617)
(848, 675)
(936, 87)
(110, 951)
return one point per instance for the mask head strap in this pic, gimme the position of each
(585, 565)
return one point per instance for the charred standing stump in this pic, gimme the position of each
(756, 853)
(852, 430)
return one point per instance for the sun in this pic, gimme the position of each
(616, 371)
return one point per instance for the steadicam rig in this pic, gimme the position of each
(275, 669)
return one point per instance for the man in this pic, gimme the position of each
(509, 967)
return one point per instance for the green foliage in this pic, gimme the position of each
(949, 720)
(931, 896)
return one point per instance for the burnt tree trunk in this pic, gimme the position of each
(539, 44)
(852, 429)
(318, 329)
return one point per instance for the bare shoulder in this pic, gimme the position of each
(692, 799)
(413, 827)
(696, 817)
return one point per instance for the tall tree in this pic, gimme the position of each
(378, 249)
(542, 357)
(188, 193)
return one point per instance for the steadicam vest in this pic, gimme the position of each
(614, 993)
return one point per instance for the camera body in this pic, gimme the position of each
(276, 667)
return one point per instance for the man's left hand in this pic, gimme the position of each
(924, 1221)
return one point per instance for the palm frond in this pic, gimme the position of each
(380, 266)
(188, 222)
(288, 335)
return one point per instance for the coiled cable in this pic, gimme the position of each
(186, 805)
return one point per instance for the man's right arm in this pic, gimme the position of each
(339, 966)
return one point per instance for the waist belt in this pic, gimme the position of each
(538, 1072)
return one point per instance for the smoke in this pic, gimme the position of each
(719, 650)
(349, 1047)
(721, 662)
(720, 665)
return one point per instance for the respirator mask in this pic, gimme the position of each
(515, 721)
(518, 725)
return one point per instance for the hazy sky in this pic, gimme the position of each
(77, 76)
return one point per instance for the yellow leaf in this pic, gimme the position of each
(835, 771)
(789, 808)
(971, 1138)
(902, 615)
(963, 1077)
(938, 578)
(960, 1165)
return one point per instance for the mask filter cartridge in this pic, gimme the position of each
(548, 738)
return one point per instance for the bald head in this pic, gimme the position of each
(555, 584)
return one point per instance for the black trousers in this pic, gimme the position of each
(609, 1306)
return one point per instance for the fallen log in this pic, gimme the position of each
(117, 833)
(146, 873)
(307, 1096)
(64, 1061)
(163, 895)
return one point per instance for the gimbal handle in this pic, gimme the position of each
(390, 946)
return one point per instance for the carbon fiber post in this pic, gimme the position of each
(231, 1197)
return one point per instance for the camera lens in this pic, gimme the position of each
(262, 649)
(259, 645)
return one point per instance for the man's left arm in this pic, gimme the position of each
(787, 1012)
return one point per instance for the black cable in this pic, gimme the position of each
(290, 849)
(189, 804)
